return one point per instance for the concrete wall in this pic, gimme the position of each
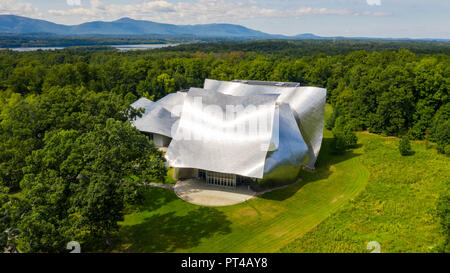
(185, 173)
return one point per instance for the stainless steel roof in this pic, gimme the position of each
(307, 104)
(294, 130)
(207, 140)
(292, 149)
(266, 83)
(142, 103)
(160, 117)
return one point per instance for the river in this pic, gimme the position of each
(119, 47)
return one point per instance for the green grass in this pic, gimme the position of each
(369, 193)
(397, 208)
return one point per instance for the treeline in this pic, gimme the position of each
(51, 40)
(387, 92)
(303, 47)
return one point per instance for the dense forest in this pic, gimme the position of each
(52, 40)
(68, 150)
(302, 47)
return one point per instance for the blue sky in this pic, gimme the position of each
(374, 18)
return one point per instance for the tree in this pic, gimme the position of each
(284, 72)
(20, 134)
(350, 138)
(320, 72)
(330, 122)
(344, 136)
(338, 144)
(79, 183)
(4, 219)
(167, 82)
(27, 79)
(8, 219)
(404, 146)
(24, 122)
(440, 130)
(395, 105)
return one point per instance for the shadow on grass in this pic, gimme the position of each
(410, 153)
(325, 160)
(153, 199)
(169, 232)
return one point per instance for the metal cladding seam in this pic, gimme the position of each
(307, 103)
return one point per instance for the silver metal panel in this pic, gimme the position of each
(309, 106)
(292, 150)
(158, 120)
(142, 103)
(204, 140)
(307, 103)
(173, 102)
(267, 83)
(160, 117)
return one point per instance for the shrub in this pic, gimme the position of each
(442, 135)
(338, 145)
(447, 149)
(404, 146)
(350, 138)
(329, 123)
(440, 131)
(344, 136)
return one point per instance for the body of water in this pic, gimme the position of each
(141, 47)
(25, 49)
(119, 47)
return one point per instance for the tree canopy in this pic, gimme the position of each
(76, 161)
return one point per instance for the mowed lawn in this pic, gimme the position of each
(267, 224)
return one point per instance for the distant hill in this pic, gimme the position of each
(18, 25)
(307, 36)
(12, 24)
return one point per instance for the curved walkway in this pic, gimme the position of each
(198, 192)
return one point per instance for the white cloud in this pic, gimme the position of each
(374, 2)
(18, 8)
(199, 11)
(73, 2)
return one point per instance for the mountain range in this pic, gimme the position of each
(12, 24)
(18, 25)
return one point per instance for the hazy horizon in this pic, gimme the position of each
(349, 18)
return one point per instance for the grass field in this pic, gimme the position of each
(369, 193)
(397, 208)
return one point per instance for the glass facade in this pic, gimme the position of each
(220, 179)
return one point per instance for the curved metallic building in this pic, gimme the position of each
(238, 131)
